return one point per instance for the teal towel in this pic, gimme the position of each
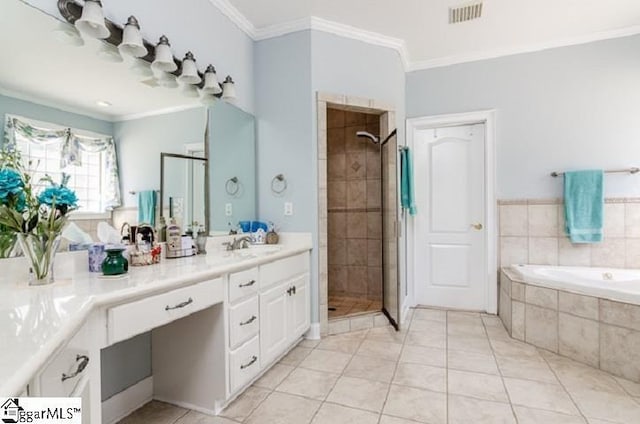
(147, 207)
(407, 195)
(584, 205)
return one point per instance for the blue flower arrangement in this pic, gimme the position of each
(35, 221)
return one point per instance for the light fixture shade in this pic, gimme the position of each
(164, 58)
(189, 74)
(229, 89)
(91, 23)
(132, 44)
(211, 84)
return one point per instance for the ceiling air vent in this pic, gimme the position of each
(465, 13)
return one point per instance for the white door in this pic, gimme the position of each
(450, 249)
(273, 322)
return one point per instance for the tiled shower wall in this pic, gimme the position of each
(532, 232)
(354, 206)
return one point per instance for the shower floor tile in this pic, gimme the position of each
(390, 380)
(342, 306)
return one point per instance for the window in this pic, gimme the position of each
(89, 159)
(86, 180)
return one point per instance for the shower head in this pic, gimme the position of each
(368, 135)
(374, 139)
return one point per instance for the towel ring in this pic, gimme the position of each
(274, 183)
(232, 186)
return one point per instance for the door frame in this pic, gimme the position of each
(387, 116)
(488, 118)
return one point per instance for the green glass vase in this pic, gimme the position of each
(115, 263)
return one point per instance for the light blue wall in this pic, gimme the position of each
(11, 105)
(566, 108)
(289, 71)
(140, 142)
(195, 25)
(125, 364)
(285, 141)
(346, 66)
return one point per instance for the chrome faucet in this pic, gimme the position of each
(236, 244)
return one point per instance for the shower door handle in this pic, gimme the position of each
(477, 226)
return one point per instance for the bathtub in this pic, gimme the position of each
(591, 315)
(622, 285)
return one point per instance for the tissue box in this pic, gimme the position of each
(96, 256)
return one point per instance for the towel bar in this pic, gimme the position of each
(633, 170)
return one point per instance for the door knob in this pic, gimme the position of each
(477, 226)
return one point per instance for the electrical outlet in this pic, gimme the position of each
(288, 208)
(228, 209)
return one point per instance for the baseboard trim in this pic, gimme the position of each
(314, 332)
(122, 404)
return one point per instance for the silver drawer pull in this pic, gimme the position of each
(179, 305)
(251, 362)
(83, 362)
(248, 284)
(249, 321)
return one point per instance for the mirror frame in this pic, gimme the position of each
(207, 206)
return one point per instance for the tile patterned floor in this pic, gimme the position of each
(447, 367)
(343, 306)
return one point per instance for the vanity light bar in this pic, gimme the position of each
(72, 11)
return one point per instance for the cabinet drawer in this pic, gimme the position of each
(244, 322)
(62, 376)
(244, 364)
(283, 269)
(242, 284)
(126, 321)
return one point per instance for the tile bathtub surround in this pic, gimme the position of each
(354, 208)
(532, 232)
(594, 331)
(378, 376)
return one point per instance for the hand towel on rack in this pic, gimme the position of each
(584, 205)
(147, 207)
(407, 195)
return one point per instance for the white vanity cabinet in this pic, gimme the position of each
(70, 373)
(284, 305)
(269, 309)
(244, 327)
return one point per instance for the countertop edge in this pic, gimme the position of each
(18, 381)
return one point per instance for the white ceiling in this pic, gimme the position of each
(37, 66)
(507, 26)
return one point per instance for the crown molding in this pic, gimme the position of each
(284, 28)
(235, 16)
(370, 37)
(497, 53)
(319, 24)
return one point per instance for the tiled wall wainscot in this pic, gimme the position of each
(533, 232)
(591, 330)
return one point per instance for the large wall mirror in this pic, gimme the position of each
(232, 143)
(53, 79)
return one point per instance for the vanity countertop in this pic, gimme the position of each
(36, 321)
